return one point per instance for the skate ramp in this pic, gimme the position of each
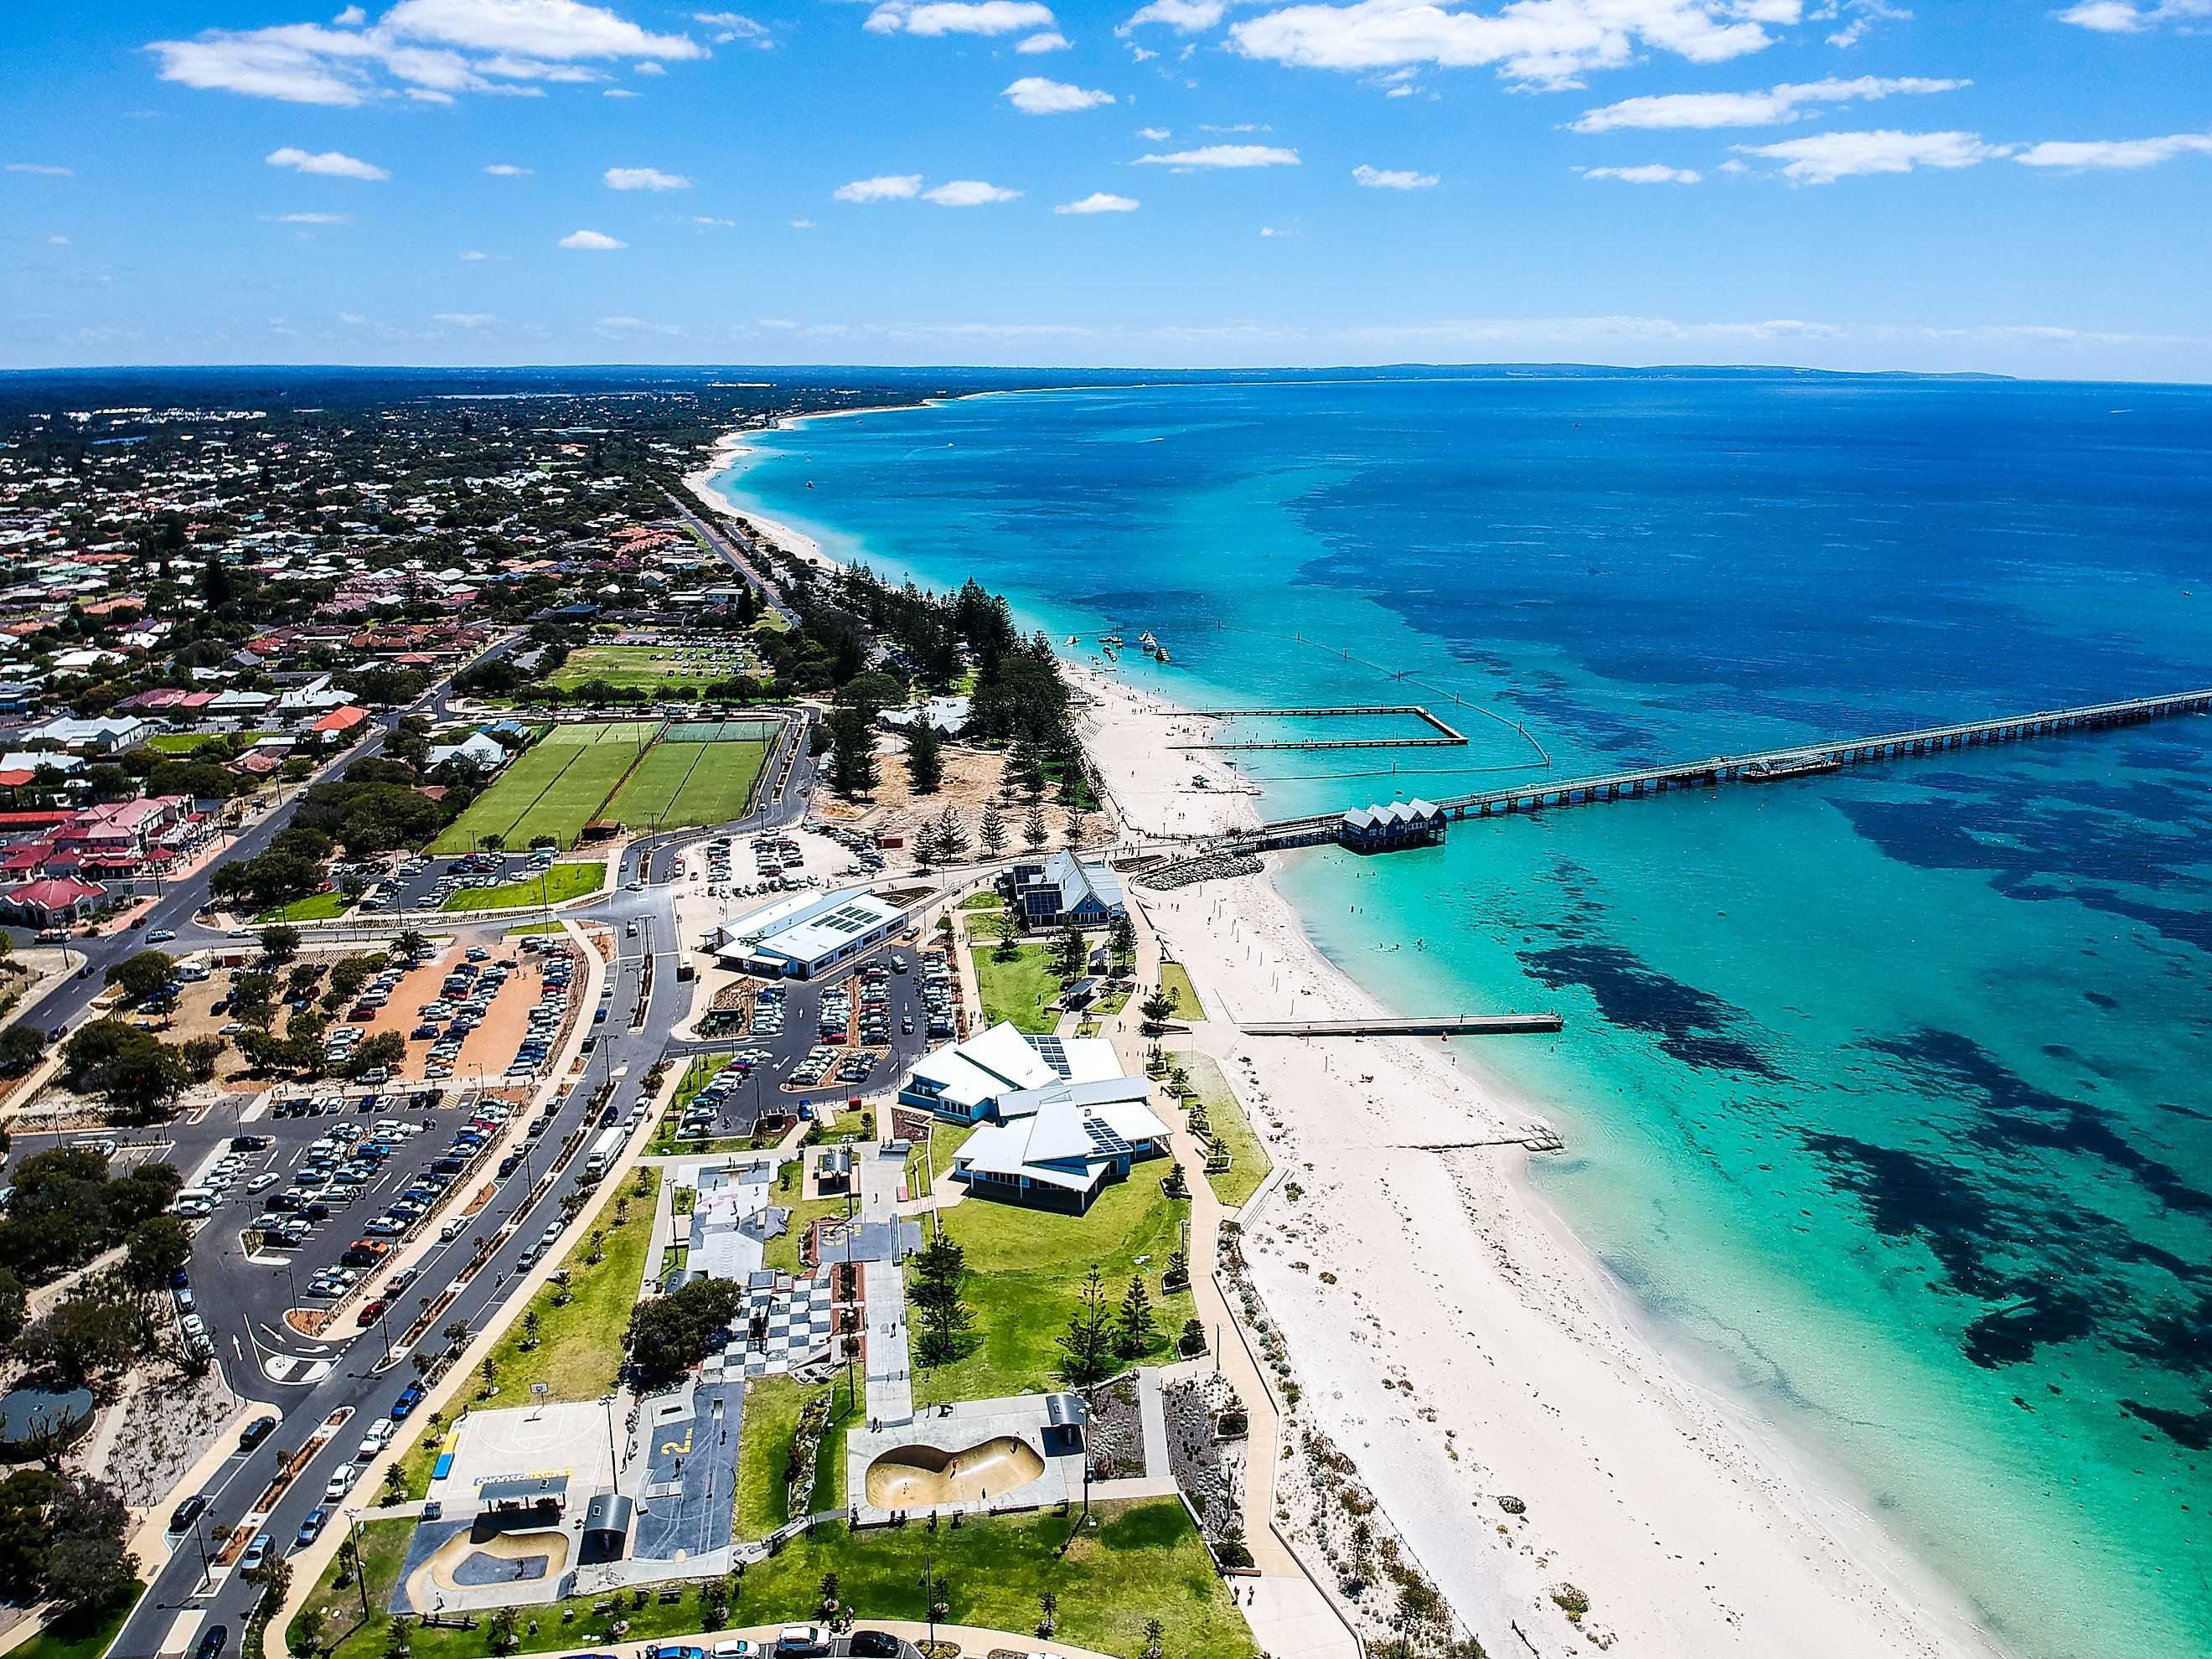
(925, 1477)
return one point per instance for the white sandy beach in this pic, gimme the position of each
(1460, 1302)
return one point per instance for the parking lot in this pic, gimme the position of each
(424, 884)
(484, 1010)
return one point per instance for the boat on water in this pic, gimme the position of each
(1160, 655)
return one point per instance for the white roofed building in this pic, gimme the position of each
(806, 934)
(970, 1082)
(1074, 1140)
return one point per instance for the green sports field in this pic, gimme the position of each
(634, 667)
(691, 780)
(553, 788)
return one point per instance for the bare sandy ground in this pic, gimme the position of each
(1459, 1303)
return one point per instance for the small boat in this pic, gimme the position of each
(1161, 654)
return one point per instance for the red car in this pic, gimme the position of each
(368, 1315)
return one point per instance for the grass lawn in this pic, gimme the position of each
(81, 1636)
(771, 1417)
(1025, 1267)
(553, 788)
(697, 1075)
(383, 1553)
(657, 668)
(562, 881)
(1019, 990)
(316, 907)
(525, 929)
(691, 783)
(579, 1346)
(1143, 1561)
(1249, 1162)
(183, 742)
(981, 902)
(1174, 976)
(783, 1252)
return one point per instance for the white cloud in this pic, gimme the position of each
(730, 26)
(591, 241)
(2115, 152)
(1775, 107)
(2119, 17)
(802, 224)
(940, 17)
(353, 319)
(330, 164)
(59, 241)
(1050, 40)
(1651, 172)
(1870, 12)
(1183, 16)
(645, 178)
(889, 187)
(1035, 95)
(1270, 231)
(1391, 178)
(1154, 135)
(1100, 201)
(306, 219)
(723, 224)
(1826, 157)
(506, 170)
(466, 318)
(428, 49)
(1224, 155)
(42, 171)
(636, 325)
(1549, 42)
(473, 255)
(967, 192)
(620, 92)
(648, 67)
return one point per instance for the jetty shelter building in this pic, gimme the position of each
(965, 1081)
(1386, 828)
(1048, 891)
(806, 935)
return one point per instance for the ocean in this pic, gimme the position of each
(1887, 1095)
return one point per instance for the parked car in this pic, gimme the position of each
(311, 1528)
(212, 1643)
(256, 1552)
(187, 1512)
(873, 1644)
(802, 1641)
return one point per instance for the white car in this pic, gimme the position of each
(161, 936)
(263, 1181)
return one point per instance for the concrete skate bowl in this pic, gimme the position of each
(924, 1477)
(465, 1563)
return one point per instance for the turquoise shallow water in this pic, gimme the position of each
(1885, 1093)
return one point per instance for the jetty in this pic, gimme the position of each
(1773, 765)
(1444, 1025)
(1442, 735)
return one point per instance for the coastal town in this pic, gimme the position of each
(576, 1077)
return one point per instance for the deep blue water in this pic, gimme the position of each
(1886, 1093)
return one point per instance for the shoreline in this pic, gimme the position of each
(1467, 1302)
(1468, 1261)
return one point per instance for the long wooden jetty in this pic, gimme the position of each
(1446, 1025)
(1446, 735)
(1771, 765)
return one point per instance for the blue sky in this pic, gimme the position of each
(2013, 187)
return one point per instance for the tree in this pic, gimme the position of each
(851, 752)
(1086, 1348)
(1027, 771)
(1005, 929)
(1069, 951)
(1034, 833)
(411, 944)
(143, 976)
(1121, 940)
(670, 1333)
(280, 942)
(21, 1046)
(136, 1072)
(198, 1055)
(157, 1247)
(945, 1320)
(1159, 1007)
(925, 761)
(1077, 825)
(992, 832)
(927, 846)
(386, 1049)
(1136, 1332)
(92, 1337)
